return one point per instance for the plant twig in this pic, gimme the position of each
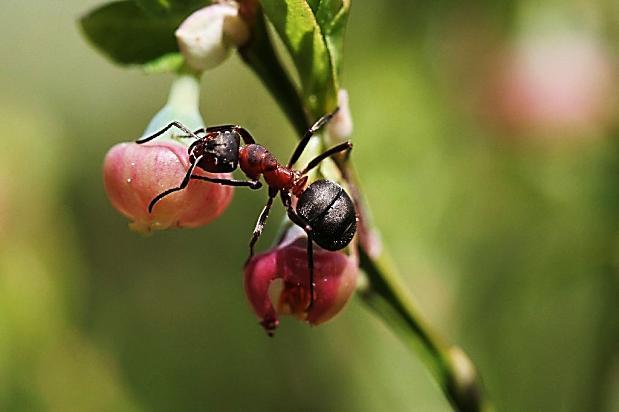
(260, 56)
(385, 293)
(451, 368)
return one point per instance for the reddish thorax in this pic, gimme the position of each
(255, 160)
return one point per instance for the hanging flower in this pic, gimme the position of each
(134, 173)
(277, 283)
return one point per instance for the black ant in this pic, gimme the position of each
(323, 210)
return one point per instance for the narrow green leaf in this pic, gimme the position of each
(314, 5)
(333, 17)
(312, 31)
(128, 35)
(326, 12)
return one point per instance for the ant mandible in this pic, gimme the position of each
(323, 209)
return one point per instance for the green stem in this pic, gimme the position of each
(185, 91)
(260, 56)
(182, 105)
(385, 293)
(388, 297)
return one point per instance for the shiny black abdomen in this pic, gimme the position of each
(330, 213)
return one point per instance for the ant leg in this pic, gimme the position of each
(183, 185)
(245, 135)
(346, 146)
(195, 132)
(303, 224)
(260, 223)
(306, 137)
(310, 269)
(252, 184)
(165, 129)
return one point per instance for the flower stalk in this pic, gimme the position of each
(384, 293)
(182, 105)
(450, 367)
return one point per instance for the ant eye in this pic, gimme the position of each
(276, 283)
(134, 174)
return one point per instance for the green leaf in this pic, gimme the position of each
(154, 6)
(332, 16)
(162, 7)
(128, 35)
(313, 31)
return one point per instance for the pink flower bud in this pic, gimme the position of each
(277, 282)
(134, 174)
(556, 84)
(340, 127)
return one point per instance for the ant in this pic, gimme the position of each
(323, 209)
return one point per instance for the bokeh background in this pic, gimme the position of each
(487, 141)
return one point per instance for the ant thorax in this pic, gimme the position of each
(256, 160)
(300, 181)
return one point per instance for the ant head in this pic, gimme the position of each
(219, 151)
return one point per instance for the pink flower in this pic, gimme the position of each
(134, 174)
(277, 282)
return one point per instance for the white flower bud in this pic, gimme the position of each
(340, 127)
(206, 36)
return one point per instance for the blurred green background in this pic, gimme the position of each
(487, 141)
